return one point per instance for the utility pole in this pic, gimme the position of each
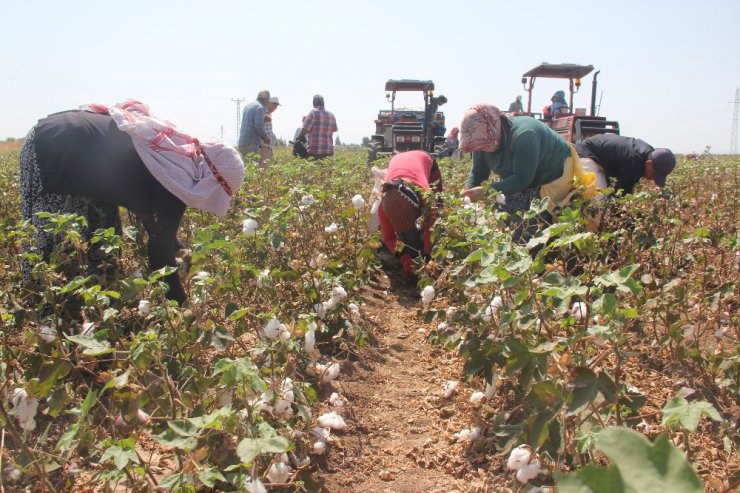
(238, 102)
(733, 135)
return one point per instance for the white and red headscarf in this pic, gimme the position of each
(204, 175)
(480, 129)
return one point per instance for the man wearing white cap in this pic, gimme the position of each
(266, 148)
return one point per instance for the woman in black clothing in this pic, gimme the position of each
(91, 162)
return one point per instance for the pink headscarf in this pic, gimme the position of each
(204, 175)
(480, 129)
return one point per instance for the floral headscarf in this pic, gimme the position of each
(480, 129)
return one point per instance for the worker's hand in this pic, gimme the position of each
(474, 194)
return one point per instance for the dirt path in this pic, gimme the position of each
(399, 434)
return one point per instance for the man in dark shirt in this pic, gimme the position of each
(626, 159)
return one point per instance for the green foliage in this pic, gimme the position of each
(678, 412)
(638, 465)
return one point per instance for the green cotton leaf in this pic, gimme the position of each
(169, 438)
(591, 479)
(209, 476)
(74, 284)
(117, 382)
(92, 346)
(121, 457)
(238, 314)
(160, 273)
(585, 388)
(248, 449)
(648, 467)
(679, 411)
(68, 441)
(49, 374)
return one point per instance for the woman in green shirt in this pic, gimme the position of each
(528, 156)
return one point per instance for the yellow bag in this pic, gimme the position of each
(561, 190)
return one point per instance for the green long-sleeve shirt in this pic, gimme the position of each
(531, 155)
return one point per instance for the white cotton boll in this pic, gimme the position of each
(273, 329)
(501, 199)
(331, 304)
(87, 329)
(320, 310)
(491, 387)
(354, 309)
(337, 400)
(144, 307)
(283, 409)
(338, 292)
(254, 486)
(467, 201)
(332, 420)
(427, 296)
(358, 201)
(579, 310)
(309, 339)
(249, 226)
(202, 276)
(47, 333)
(331, 229)
(319, 447)
(529, 471)
(328, 372)
(475, 433)
(496, 304)
(462, 435)
(323, 434)
(449, 388)
(24, 408)
(519, 457)
(308, 200)
(442, 326)
(279, 473)
(476, 398)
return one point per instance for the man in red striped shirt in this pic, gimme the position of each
(319, 126)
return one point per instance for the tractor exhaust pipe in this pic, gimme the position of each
(593, 93)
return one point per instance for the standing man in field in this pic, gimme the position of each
(318, 127)
(266, 150)
(625, 159)
(253, 133)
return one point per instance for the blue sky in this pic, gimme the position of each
(668, 69)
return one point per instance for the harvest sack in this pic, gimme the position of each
(204, 175)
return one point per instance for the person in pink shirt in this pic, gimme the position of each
(406, 192)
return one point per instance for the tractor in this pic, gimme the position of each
(575, 124)
(400, 130)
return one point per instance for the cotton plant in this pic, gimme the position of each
(522, 461)
(329, 372)
(493, 308)
(331, 229)
(252, 485)
(279, 471)
(24, 408)
(358, 202)
(579, 310)
(427, 296)
(249, 226)
(144, 307)
(449, 388)
(47, 333)
(332, 420)
(309, 338)
(274, 329)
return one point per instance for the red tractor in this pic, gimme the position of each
(399, 130)
(572, 124)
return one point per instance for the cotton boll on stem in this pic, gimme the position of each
(449, 388)
(249, 226)
(332, 420)
(328, 372)
(427, 296)
(528, 472)
(579, 310)
(279, 472)
(358, 201)
(144, 307)
(476, 398)
(519, 457)
(310, 338)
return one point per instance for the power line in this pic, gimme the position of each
(733, 135)
(238, 102)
